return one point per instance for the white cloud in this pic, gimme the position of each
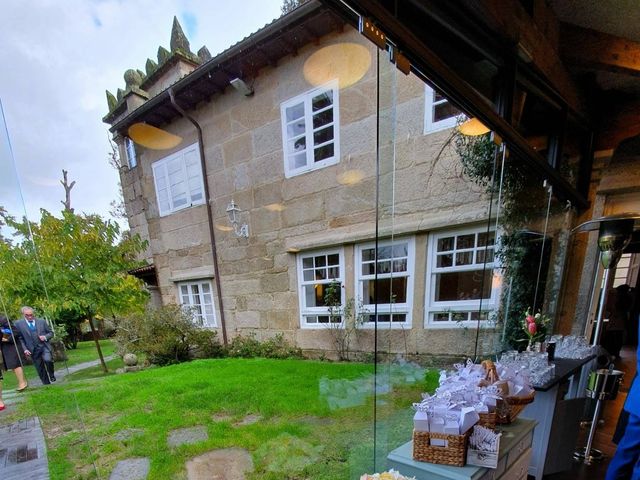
(62, 58)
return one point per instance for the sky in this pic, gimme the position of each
(59, 56)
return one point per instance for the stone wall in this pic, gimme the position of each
(243, 149)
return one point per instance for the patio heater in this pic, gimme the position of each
(614, 234)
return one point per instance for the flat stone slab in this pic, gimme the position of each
(131, 469)
(222, 417)
(225, 464)
(248, 420)
(127, 433)
(186, 436)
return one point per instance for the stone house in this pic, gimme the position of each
(294, 148)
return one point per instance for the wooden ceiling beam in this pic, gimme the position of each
(598, 50)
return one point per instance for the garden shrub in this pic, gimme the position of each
(165, 335)
(275, 347)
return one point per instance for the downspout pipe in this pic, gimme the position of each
(207, 198)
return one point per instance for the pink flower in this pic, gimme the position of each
(532, 328)
(530, 319)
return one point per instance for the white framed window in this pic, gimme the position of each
(310, 130)
(130, 148)
(178, 180)
(439, 113)
(395, 264)
(458, 277)
(321, 288)
(197, 295)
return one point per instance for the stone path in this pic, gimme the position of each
(23, 452)
(62, 372)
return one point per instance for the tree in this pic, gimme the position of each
(77, 263)
(289, 5)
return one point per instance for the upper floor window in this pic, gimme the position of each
(460, 277)
(130, 147)
(178, 180)
(197, 295)
(393, 286)
(439, 113)
(310, 135)
(321, 287)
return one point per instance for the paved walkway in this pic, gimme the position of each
(23, 452)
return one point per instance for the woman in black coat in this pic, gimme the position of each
(10, 356)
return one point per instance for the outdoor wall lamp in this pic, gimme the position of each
(233, 212)
(241, 86)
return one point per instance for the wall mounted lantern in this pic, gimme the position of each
(233, 212)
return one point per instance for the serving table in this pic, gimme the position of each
(558, 409)
(513, 459)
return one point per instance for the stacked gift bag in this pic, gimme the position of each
(470, 394)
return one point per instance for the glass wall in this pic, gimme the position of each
(306, 245)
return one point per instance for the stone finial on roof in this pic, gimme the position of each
(120, 94)
(163, 55)
(204, 54)
(150, 66)
(141, 73)
(132, 78)
(178, 38)
(111, 100)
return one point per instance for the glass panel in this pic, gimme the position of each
(464, 258)
(463, 285)
(391, 290)
(320, 261)
(322, 136)
(443, 111)
(445, 260)
(296, 128)
(307, 262)
(322, 153)
(295, 112)
(323, 100)
(445, 244)
(480, 256)
(465, 241)
(323, 118)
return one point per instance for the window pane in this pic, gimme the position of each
(440, 317)
(333, 259)
(321, 101)
(443, 111)
(311, 319)
(482, 238)
(308, 275)
(400, 265)
(481, 254)
(384, 267)
(462, 285)
(296, 128)
(391, 290)
(334, 272)
(464, 258)
(322, 118)
(482, 315)
(307, 262)
(368, 268)
(322, 136)
(384, 252)
(298, 161)
(445, 244)
(184, 290)
(459, 316)
(297, 145)
(295, 112)
(320, 261)
(322, 153)
(368, 254)
(314, 295)
(401, 250)
(205, 288)
(466, 241)
(398, 317)
(445, 260)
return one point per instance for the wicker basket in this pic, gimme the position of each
(510, 407)
(488, 420)
(455, 453)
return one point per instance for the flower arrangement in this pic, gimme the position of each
(390, 475)
(535, 327)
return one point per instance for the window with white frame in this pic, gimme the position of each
(310, 130)
(178, 180)
(439, 113)
(130, 148)
(393, 286)
(460, 276)
(321, 288)
(198, 297)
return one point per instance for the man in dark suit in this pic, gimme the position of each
(35, 334)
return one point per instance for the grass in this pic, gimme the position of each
(85, 352)
(315, 417)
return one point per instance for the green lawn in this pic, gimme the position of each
(315, 417)
(85, 352)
